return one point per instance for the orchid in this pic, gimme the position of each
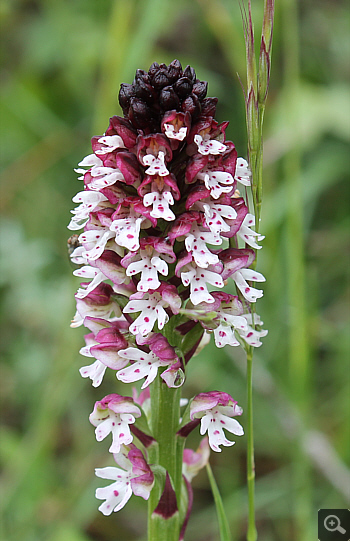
(113, 414)
(134, 476)
(164, 230)
(216, 409)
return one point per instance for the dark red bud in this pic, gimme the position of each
(190, 73)
(142, 86)
(209, 106)
(183, 87)
(160, 79)
(174, 70)
(191, 105)
(140, 113)
(200, 89)
(126, 92)
(168, 99)
(153, 69)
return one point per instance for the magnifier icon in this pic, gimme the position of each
(332, 524)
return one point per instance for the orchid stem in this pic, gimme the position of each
(165, 419)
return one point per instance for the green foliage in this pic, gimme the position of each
(62, 65)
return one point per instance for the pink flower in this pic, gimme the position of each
(146, 365)
(113, 414)
(216, 409)
(134, 476)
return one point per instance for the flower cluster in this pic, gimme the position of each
(164, 228)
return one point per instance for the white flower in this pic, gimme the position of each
(89, 272)
(172, 134)
(94, 371)
(118, 493)
(127, 230)
(208, 146)
(133, 476)
(101, 176)
(156, 165)
(216, 409)
(250, 293)
(242, 173)
(197, 278)
(89, 201)
(113, 415)
(248, 235)
(195, 243)
(215, 214)
(149, 264)
(217, 182)
(104, 176)
(214, 422)
(225, 333)
(95, 241)
(152, 310)
(89, 161)
(111, 142)
(145, 366)
(251, 335)
(160, 202)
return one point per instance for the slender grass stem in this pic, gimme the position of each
(256, 94)
(252, 532)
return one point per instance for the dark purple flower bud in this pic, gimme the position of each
(153, 69)
(143, 88)
(139, 113)
(126, 92)
(174, 70)
(168, 99)
(160, 78)
(209, 106)
(190, 73)
(200, 89)
(192, 105)
(183, 87)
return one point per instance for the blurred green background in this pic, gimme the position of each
(62, 63)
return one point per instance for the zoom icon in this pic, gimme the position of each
(334, 525)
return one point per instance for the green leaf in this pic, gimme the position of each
(224, 529)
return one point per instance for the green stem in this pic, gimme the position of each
(165, 420)
(252, 533)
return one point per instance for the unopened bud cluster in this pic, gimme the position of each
(164, 229)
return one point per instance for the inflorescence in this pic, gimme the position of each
(163, 220)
